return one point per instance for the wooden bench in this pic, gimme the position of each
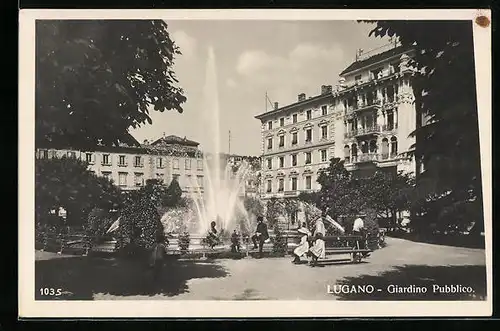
(335, 245)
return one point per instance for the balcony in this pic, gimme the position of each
(389, 128)
(373, 104)
(367, 157)
(388, 156)
(374, 129)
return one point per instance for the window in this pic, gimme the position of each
(44, 154)
(324, 110)
(324, 155)
(294, 118)
(106, 174)
(294, 160)
(309, 134)
(199, 165)
(269, 186)
(138, 161)
(324, 132)
(308, 157)
(282, 121)
(89, 158)
(390, 120)
(308, 182)
(187, 164)
(200, 181)
(282, 141)
(122, 178)
(308, 114)
(139, 179)
(160, 177)
(394, 146)
(159, 162)
(294, 138)
(105, 159)
(176, 164)
(347, 154)
(269, 143)
(294, 184)
(121, 160)
(357, 78)
(189, 181)
(281, 185)
(269, 163)
(282, 161)
(270, 125)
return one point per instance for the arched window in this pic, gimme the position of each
(373, 146)
(394, 146)
(364, 147)
(385, 148)
(347, 154)
(354, 151)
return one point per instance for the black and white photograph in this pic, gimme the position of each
(289, 162)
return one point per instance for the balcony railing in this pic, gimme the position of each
(368, 157)
(388, 156)
(362, 131)
(387, 127)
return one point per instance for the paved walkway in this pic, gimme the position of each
(401, 262)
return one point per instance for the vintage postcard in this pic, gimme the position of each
(255, 163)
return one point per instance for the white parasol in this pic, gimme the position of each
(335, 224)
(114, 226)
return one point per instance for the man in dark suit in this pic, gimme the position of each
(261, 234)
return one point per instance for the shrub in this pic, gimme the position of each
(184, 241)
(279, 244)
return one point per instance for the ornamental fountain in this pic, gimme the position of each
(219, 200)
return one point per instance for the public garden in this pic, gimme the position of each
(93, 241)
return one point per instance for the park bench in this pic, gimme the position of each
(335, 245)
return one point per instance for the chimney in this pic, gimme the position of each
(325, 89)
(302, 97)
(276, 105)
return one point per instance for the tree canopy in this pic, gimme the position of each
(95, 79)
(66, 182)
(445, 91)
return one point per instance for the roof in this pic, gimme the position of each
(172, 139)
(374, 59)
(290, 106)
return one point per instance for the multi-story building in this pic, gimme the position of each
(130, 166)
(297, 141)
(366, 120)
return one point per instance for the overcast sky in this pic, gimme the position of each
(283, 58)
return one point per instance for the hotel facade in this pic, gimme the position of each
(129, 167)
(365, 120)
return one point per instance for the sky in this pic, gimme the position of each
(282, 58)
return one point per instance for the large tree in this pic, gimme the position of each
(445, 91)
(67, 183)
(95, 79)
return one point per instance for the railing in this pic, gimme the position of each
(387, 127)
(362, 131)
(388, 156)
(368, 157)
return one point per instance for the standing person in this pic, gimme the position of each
(358, 229)
(158, 256)
(260, 235)
(318, 249)
(303, 247)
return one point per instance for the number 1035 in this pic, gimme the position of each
(50, 291)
